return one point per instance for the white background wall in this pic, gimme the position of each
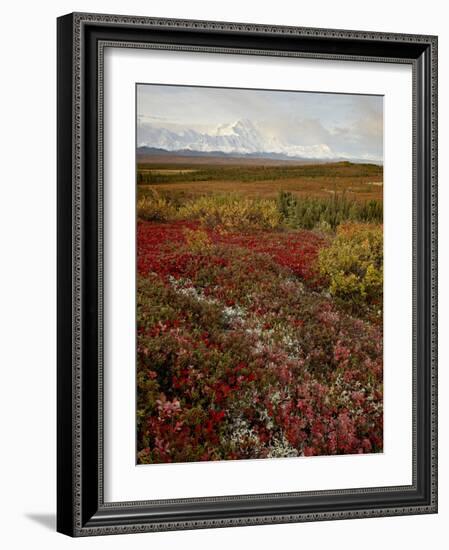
(28, 267)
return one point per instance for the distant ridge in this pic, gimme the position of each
(156, 151)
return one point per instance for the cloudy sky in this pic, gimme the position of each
(304, 124)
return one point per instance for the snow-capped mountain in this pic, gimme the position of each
(241, 137)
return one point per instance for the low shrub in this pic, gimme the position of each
(232, 212)
(155, 208)
(197, 240)
(237, 358)
(353, 264)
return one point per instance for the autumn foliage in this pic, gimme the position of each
(256, 340)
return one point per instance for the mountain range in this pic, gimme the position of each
(236, 139)
(241, 139)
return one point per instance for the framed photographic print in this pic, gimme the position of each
(247, 289)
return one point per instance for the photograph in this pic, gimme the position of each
(259, 273)
(247, 276)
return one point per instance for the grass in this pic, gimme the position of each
(148, 173)
(358, 181)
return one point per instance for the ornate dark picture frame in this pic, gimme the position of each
(81, 510)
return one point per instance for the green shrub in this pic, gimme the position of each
(353, 265)
(308, 212)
